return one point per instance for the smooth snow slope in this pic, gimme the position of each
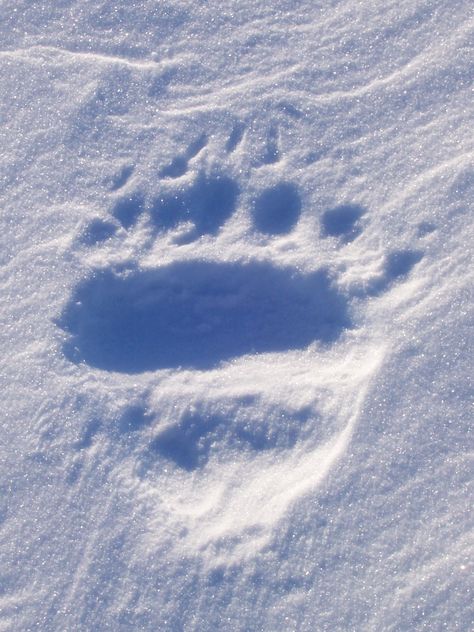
(236, 317)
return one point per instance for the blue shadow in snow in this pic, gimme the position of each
(207, 204)
(122, 178)
(133, 419)
(92, 428)
(190, 442)
(398, 265)
(277, 210)
(128, 209)
(97, 232)
(179, 165)
(235, 137)
(197, 314)
(342, 221)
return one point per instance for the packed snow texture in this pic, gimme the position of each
(237, 324)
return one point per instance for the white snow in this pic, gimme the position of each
(236, 315)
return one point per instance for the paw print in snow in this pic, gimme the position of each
(203, 318)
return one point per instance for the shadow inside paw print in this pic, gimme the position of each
(127, 209)
(134, 418)
(188, 442)
(196, 435)
(342, 222)
(235, 137)
(179, 165)
(207, 204)
(197, 314)
(97, 231)
(277, 209)
(397, 266)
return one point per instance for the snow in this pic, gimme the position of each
(236, 319)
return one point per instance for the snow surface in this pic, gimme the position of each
(236, 280)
